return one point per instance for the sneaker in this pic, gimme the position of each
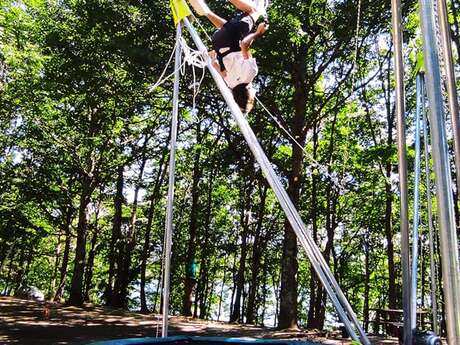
(200, 7)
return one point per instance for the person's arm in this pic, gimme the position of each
(249, 40)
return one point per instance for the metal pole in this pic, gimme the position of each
(317, 260)
(446, 44)
(445, 204)
(402, 166)
(415, 235)
(170, 202)
(434, 304)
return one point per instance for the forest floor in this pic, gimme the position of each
(33, 323)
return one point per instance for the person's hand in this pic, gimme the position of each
(261, 28)
(216, 65)
(212, 54)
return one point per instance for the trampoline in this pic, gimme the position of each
(196, 340)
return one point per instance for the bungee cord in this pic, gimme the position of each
(163, 79)
(194, 58)
(314, 254)
(320, 167)
(323, 170)
(197, 58)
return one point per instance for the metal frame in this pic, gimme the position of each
(445, 203)
(170, 202)
(402, 166)
(415, 234)
(448, 236)
(434, 304)
(326, 277)
(452, 97)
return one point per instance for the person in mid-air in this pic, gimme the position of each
(231, 43)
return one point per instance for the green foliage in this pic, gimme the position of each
(76, 107)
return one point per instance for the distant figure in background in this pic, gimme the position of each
(231, 43)
(46, 313)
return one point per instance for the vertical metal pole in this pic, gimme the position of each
(170, 202)
(402, 166)
(445, 203)
(317, 260)
(415, 235)
(434, 303)
(446, 43)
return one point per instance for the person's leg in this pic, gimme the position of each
(200, 7)
(216, 20)
(247, 6)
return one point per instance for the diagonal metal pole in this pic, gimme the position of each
(434, 304)
(402, 166)
(415, 224)
(452, 97)
(317, 260)
(170, 202)
(445, 203)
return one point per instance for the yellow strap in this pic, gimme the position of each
(180, 10)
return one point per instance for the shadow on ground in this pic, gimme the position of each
(33, 323)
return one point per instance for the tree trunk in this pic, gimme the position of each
(91, 256)
(205, 251)
(256, 259)
(367, 275)
(148, 229)
(7, 289)
(190, 264)
(115, 241)
(276, 288)
(9, 253)
(57, 254)
(289, 266)
(320, 305)
(232, 298)
(124, 274)
(261, 322)
(221, 295)
(20, 270)
(244, 218)
(65, 256)
(311, 319)
(76, 288)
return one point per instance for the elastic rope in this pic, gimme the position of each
(161, 80)
(321, 168)
(195, 58)
(318, 165)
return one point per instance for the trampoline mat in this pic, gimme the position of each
(184, 340)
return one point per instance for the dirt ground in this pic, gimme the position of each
(33, 323)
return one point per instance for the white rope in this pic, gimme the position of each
(202, 28)
(194, 58)
(161, 80)
(321, 168)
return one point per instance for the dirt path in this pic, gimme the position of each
(32, 323)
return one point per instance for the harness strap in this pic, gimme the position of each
(220, 56)
(235, 45)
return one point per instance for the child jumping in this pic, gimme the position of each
(231, 43)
